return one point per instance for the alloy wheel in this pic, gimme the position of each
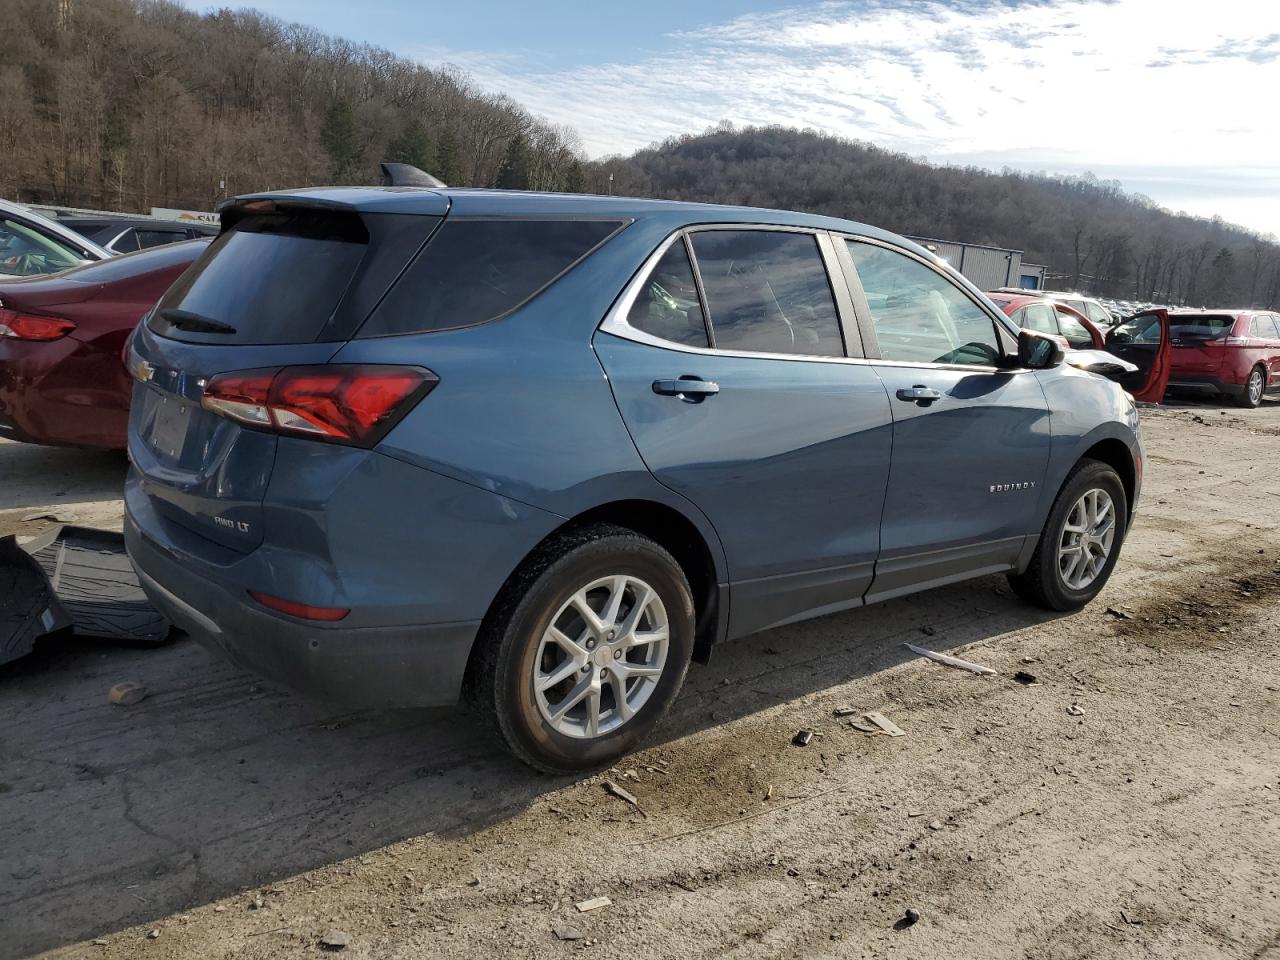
(1087, 537)
(601, 656)
(1255, 387)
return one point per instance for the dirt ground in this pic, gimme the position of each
(1126, 806)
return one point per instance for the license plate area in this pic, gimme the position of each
(169, 426)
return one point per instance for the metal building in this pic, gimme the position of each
(988, 267)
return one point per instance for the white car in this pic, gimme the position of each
(32, 245)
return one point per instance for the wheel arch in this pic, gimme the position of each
(676, 533)
(1116, 454)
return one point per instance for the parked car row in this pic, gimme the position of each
(32, 244)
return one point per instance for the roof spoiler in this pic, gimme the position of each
(407, 175)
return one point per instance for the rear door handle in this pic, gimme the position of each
(919, 394)
(689, 389)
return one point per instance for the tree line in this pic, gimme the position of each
(1092, 235)
(129, 104)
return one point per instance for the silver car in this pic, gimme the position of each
(32, 245)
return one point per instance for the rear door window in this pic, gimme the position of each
(477, 270)
(1264, 328)
(1097, 314)
(158, 238)
(919, 315)
(668, 306)
(273, 278)
(767, 292)
(124, 241)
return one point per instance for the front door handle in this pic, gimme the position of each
(919, 394)
(689, 389)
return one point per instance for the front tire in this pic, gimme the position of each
(586, 649)
(1254, 388)
(1081, 540)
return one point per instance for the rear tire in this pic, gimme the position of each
(624, 657)
(1254, 389)
(1070, 568)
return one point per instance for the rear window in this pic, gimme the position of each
(473, 271)
(272, 278)
(1201, 327)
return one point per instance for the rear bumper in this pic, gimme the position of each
(63, 393)
(416, 557)
(406, 666)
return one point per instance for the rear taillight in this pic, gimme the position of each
(24, 326)
(353, 404)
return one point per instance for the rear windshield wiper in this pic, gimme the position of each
(194, 322)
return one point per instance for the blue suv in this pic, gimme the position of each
(399, 446)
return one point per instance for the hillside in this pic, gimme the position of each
(128, 104)
(1090, 233)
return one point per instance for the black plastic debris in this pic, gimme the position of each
(803, 738)
(95, 583)
(28, 608)
(73, 577)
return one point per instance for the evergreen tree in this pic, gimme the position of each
(413, 146)
(514, 172)
(449, 160)
(340, 137)
(575, 181)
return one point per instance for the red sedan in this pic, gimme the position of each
(1231, 353)
(62, 380)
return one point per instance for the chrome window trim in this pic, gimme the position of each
(615, 321)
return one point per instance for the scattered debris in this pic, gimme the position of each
(768, 794)
(622, 793)
(563, 931)
(949, 661)
(1118, 614)
(257, 903)
(1026, 679)
(45, 515)
(928, 631)
(1134, 921)
(126, 694)
(803, 738)
(1076, 710)
(845, 711)
(935, 824)
(336, 940)
(100, 942)
(595, 903)
(884, 723)
(909, 919)
(153, 933)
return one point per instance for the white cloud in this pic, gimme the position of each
(1071, 85)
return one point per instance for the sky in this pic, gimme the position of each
(1177, 100)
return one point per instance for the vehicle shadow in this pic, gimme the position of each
(217, 781)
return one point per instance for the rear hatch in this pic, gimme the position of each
(1199, 342)
(286, 283)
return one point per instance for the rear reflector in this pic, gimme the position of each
(300, 610)
(352, 404)
(21, 326)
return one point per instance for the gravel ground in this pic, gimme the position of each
(1128, 805)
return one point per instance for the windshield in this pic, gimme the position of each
(28, 253)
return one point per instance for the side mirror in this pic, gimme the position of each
(1039, 351)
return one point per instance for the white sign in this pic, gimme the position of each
(168, 213)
